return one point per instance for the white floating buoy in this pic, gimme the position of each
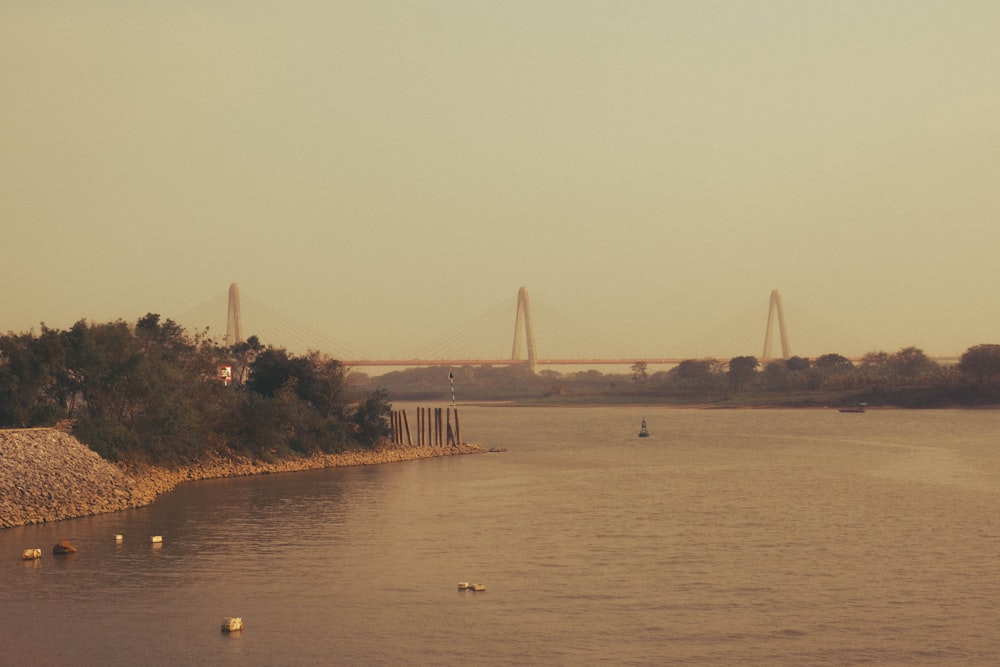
(32, 554)
(234, 624)
(118, 538)
(156, 539)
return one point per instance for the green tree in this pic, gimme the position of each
(319, 380)
(243, 355)
(776, 376)
(268, 426)
(797, 364)
(875, 360)
(981, 363)
(271, 371)
(146, 390)
(874, 368)
(325, 386)
(373, 418)
(833, 362)
(698, 372)
(910, 364)
(831, 371)
(742, 370)
(25, 380)
(639, 372)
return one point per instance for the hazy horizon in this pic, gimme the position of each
(384, 172)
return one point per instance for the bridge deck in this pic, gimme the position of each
(508, 362)
(565, 362)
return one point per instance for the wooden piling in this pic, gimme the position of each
(433, 425)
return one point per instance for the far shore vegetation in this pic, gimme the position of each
(907, 378)
(151, 392)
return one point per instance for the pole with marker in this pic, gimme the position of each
(451, 379)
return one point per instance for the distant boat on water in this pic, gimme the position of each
(857, 407)
(643, 431)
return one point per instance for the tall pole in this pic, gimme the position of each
(451, 379)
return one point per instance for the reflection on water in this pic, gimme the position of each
(727, 537)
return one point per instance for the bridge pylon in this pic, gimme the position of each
(523, 319)
(234, 322)
(775, 307)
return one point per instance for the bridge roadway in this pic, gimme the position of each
(566, 362)
(510, 362)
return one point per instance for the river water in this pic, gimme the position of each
(728, 537)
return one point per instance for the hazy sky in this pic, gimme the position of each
(384, 171)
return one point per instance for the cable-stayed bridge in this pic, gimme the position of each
(534, 333)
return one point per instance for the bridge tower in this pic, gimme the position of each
(775, 307)
(234, 322)
(524, 317)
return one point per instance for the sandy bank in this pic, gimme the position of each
(48, 475)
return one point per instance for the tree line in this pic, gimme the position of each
(904, 378)
(152, 392)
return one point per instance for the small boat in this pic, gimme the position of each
(643, 431)
(858, 407)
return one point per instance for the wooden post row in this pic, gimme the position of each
(433, 427)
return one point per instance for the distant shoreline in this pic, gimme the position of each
(652, 404)
(587, 402)
(47, 475)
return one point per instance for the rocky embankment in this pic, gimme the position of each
(48, 475)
